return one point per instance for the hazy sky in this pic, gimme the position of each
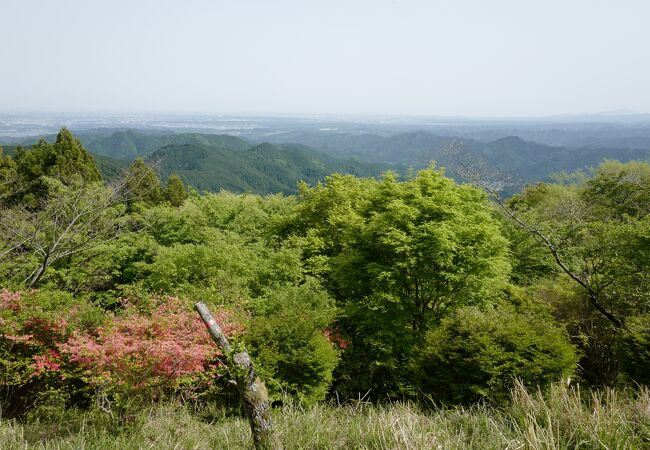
(452, 57)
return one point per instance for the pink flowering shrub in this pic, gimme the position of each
(46, 362)
(32, 325)
(54, 344)
(27, 329)
(141, 351)
(10, 300)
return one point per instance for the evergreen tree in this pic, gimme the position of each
(142, 185)
(65, 160)
(8, 176)
(175, 192)
(71, 159)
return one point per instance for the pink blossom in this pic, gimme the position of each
(335, 338)
(46, 362)
(10, 300)
(141, 349)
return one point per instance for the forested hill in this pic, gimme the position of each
(526, 161)
(130, 144)
(210, 162)
(264, 168)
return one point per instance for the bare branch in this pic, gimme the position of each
(483, 177)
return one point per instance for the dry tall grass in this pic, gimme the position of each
(563, 418)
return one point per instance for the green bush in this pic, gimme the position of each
(478, 353)
(287, 338)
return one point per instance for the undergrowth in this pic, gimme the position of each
(564, 417)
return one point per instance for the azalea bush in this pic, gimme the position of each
(58, 349)
(32, 326)
(150, 352)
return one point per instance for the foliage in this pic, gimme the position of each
(356, 286)
(287, 340)
(142, 186)
(175, 192)
(151, 351)
(66, 160)
(263, 169)
(398, 256)
(635, 349)
(604, 249)
(530, 260)
(8, 176)
(478, 353)
(599, 235)
(32, 325)
(620, 189)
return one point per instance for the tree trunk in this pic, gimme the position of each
(41, 270)
(252, 391)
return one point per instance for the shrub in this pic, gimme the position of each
(149, 353)
(478, 353)
(32, 325)
(291, 343)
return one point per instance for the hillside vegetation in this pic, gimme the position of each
(429, 311)
(263, 169)
(213, 162)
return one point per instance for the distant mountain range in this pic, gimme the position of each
(524, 160)
(212, 162)
(130, 144)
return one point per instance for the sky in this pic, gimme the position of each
(479, 58)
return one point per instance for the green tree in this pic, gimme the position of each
(398, 256)
(72, 159)
(175, 192)
(597, 233)
(597, 236)
(142, 185)
(8, 177)
(619, 189)
(66, 160)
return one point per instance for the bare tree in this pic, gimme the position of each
(70, 219)
(252, 390)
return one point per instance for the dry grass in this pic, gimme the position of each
(563, 418)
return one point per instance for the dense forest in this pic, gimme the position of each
(345, 281)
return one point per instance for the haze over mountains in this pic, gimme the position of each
(268, 155)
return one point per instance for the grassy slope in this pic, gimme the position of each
(561, 420)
